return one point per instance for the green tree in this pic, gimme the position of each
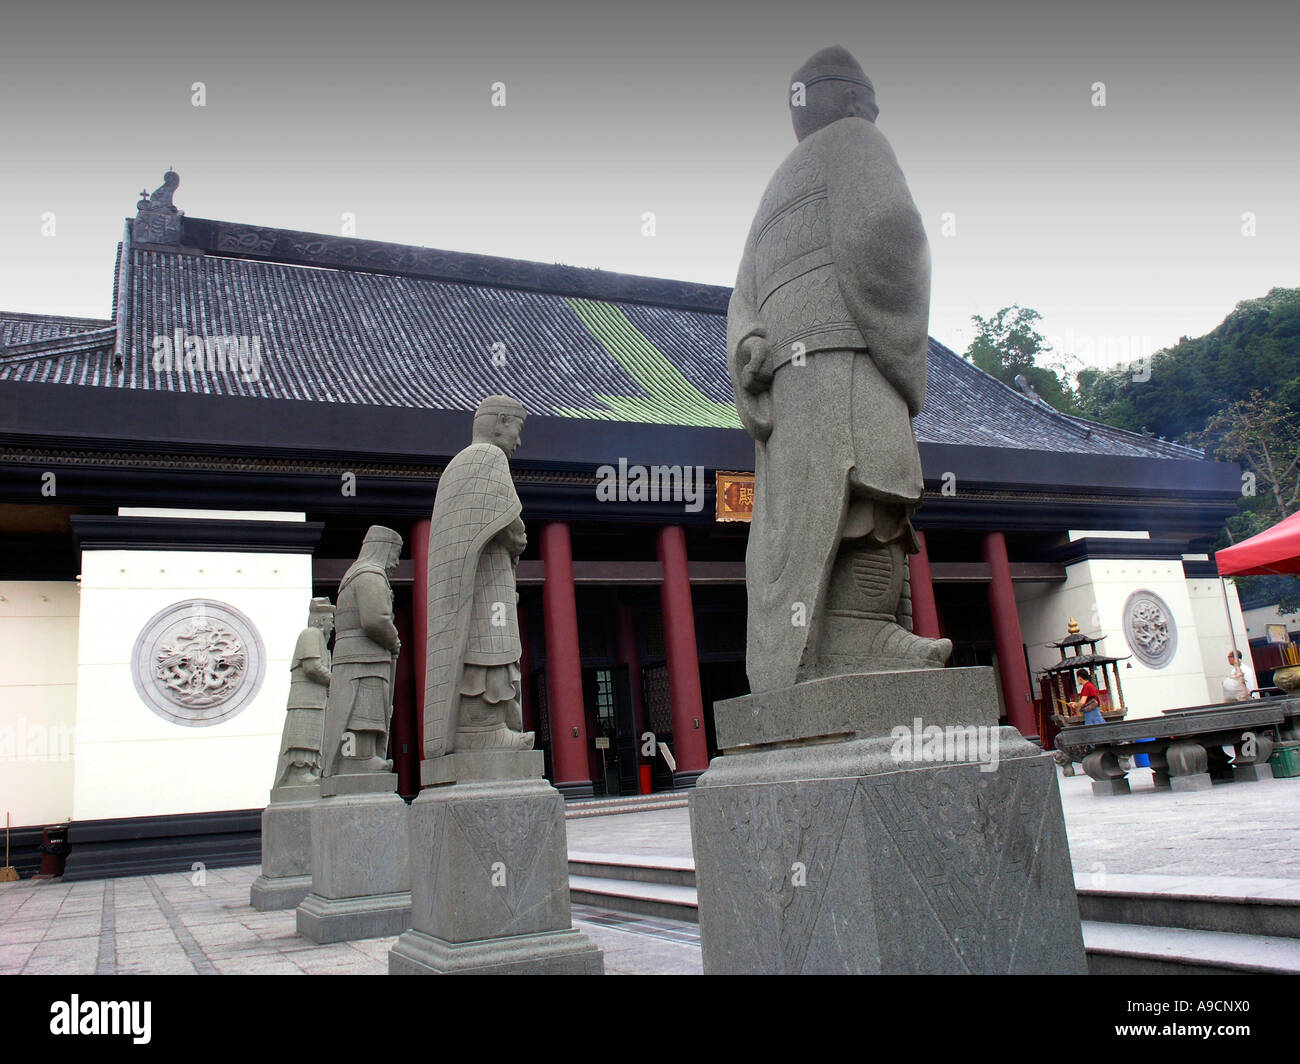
(1255, 348)
(1262, 434)
(1008, 344)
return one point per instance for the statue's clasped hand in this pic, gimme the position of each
(753, 399)
(756, 365)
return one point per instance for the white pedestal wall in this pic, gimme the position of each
(38, 699)
(130, 762)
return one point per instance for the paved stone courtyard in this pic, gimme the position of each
(182, 923)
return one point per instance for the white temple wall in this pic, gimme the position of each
(131, 762)
(1206, 595)
(38, 699)
(1095, 593)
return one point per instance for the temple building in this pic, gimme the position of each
(256, 398)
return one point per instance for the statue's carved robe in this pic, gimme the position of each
(471, 586)
(837, 261)
(361, 688)
(304, 722)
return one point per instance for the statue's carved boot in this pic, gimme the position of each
(889, 640)
(352, 765)
(493, 738)
(860, 630)
(485, 720)
(299, 773)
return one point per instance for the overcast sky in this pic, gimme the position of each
(1117, 221)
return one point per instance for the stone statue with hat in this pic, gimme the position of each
(360, 862)
(488, 847)
(472, 684)
(366, 646)
(286, 873)
(309, 684)
(823, 842)
(826, 346)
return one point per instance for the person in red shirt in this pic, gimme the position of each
(1089, 699)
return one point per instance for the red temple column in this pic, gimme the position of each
(689, 745)
(925, 614)
(564, 664)
(419, 619)
(1014, 673)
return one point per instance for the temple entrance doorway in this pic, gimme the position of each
(614, 736)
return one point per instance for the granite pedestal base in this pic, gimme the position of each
(882, 823)
(286, 849)
(361, 871)
(490, 874)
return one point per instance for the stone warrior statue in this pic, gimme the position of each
(365, 656)
(826, 346)
(472, 687)
(304, 722)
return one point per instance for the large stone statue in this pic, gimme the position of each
(309, 684)
(827, 840)
(472, 684)
(360, 862)
(826, 345)
(285, 879)
(365, 654)
(488, 849)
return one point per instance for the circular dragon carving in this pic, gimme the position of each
(1149, 629)
(198, 662)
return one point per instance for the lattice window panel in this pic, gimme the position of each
(658, 702)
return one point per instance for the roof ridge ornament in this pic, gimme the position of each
(158, 219)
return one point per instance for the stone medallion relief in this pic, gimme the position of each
(1149, 629)
(198, 662)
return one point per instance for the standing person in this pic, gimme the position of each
(1089, 699)
(1234, 684)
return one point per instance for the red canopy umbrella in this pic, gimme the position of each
(1275, 550)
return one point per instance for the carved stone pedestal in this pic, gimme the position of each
(1108, 775)
(851, 827)
(490, 874)
(286, 849)
(361, 870)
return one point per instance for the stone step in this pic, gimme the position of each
(588, 807)
(665, 900)
(1156, 924)
(1134, 949)
(1230, 904)
(1111, 948)
(672, 871)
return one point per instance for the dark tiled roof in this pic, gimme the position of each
(349, 335)
(18, 328)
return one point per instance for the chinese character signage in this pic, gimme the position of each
(735, 497)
